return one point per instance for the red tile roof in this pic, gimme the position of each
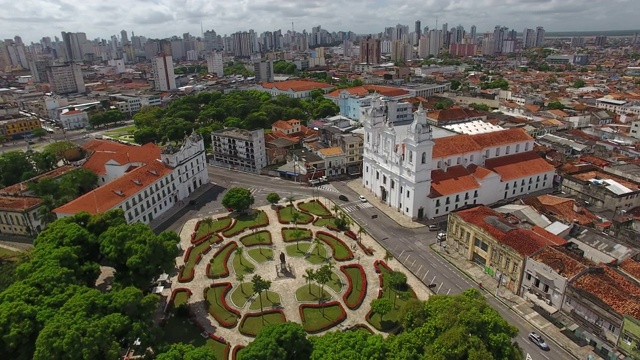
(503, 137)
(366, 89)
(104, 151)
(561, 208)
(519, 165)
(479, 172)
(631, 267)
(281, 124)
(73, 112)
(296, 85)
(455, 180)
(562, 261)
(18, 203)
(586, 176)
(108, 196)
(453, 114)
(612, 288)
(452, 145)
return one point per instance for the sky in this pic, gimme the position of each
(33, 19)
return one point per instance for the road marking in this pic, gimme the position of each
(529, 357)
(355, 207)
(545, 356)
(420, 268)
(328, 187)
(414, 262)
(402, 252)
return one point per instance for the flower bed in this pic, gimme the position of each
(258, 238)
(186, 274)
(288, 234)
(366, 250)
(354, 272)
(249, 327)
(220, 340)
(333, 228)
(201, 230)
(313, 321)
(172, 299)
(324, 221)
(225, 315)
(236, 350)
(221, 259)
(351, 234)
(341, 251)
(243, 222)
(285, 215)
(381, 266)
(314, 207)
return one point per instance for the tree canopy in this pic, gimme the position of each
(286, 341)
(106, 118)
(238, 199)
(17, 166)
(495, 84)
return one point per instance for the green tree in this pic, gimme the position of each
(388, 256)
(322, 277)
(555, 105)
(13, 166)
(145, 135)
(273, 198)
(42, 161)
(309, 277)
(480, 107)
(259, 285)
(455, 85)
(238, 199)
(60, 148)
(412, 314)
(182, 351)
(579, 83)
(239, 250)
(286, 341)
(381, 306)
(39, 133)
(353, 345)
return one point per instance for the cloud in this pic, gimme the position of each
(160, 18)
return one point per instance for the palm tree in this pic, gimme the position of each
(317, 242)
(323, 275)
(361, 231)
(240, 278)
(259, 240)
(295, 216)
(239, 251)
(387, 256)
(45, 212)
(209, 222)
(309, 276)
(336, 208)
(297, 234)
(260, 285)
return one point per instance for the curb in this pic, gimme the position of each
(507, 305)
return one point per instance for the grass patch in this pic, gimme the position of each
(341, 251)
(318, 254)
(125, 130)
(241, 294)
(304, 294)
(181, 298)
(253, 323)
(179, 330)
(286, 215)
(197, 250)
(258, 238)
(217, 225)
(298, 250)
(335, 284)
(290, 235)
(315, 320)
(258, 218)
(242, 266)
(261, 255)
(9, 254)
(392, 319)
(356, 280)
(217, 262)
(214, 297)
(269, 299)
(325, 221)
(314, 207)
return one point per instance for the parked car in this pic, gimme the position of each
(343, 198)
(434, 227)
(538, 340)
(363, 199)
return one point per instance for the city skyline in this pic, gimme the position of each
(162, 18)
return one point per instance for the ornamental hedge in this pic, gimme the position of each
(219, 306)
(280, 319)
(310, 207)
(366, 250)
(348, 297)
(236, 350)
(228, 248)
(305, 218)
(241, 223)
(351, 234)
(341, 251)
(287, 234)
(174, 293)
(329, 306)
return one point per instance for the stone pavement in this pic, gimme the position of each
(356, 185)
(521, 306)
(286, 286)
(179, 206)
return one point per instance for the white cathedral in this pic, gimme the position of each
(424, 176)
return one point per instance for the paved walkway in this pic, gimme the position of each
(157, 222)
(286, 286)
(521, 306)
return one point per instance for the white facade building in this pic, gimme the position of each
(164, 78)
(239, 149)
(66, 79)
(215, 64)
(423, 177)
(143, 181)
(74, 119)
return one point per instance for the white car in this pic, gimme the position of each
(538, 340)
(363, 199)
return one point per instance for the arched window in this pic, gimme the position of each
(424, 158)
(410, 156)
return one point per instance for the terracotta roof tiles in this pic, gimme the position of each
(502, 137)
(519, 165)
(612, 288)
(104, 151)
(452, 145)
(296, 85)
(562, 261)
(453, 114)
(455, 180)
(18, 203)
(631, 267)
(364, 90)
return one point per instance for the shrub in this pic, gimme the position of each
(351, 234)
(221, 300)
(363, 290)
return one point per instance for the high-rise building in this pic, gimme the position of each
(162, 70)
(401, 51)
(215, 64)
(528, 38)
(73, 43)
(264, 71)
(177, 49)
(370, 50)
(474, 36)
(66, 79)
(435, 42)
(577, 42)
(600, 40)
(124, 39)
(39, 70)
(243, 44)
(498, 38)
(423, 47)
(539, 36)
(418, 31)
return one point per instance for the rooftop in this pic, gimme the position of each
(296, 85)
(104, 151)
(562, 261)
(453, 114)
(617, 184)
(564, 209)
(18, 203)
(364, 90)
(22, 187)
(619, 292)
(455, 180)
(631, 267)
(519, 165)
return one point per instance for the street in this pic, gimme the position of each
(408, 246)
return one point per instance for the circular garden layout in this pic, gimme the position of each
(289, 263)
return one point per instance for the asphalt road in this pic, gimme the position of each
(408, 246)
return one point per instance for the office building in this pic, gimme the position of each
(418, 32)
(162, 70)
(370, 50)
(244, 43)
(473, 34)
(124, 39)
(239, 149)
(600, 41)
(539, 36)
(401, 51)
(73, 45)
(65, 79)
(264, 71)
(215, 63)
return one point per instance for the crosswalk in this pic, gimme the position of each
(254, 191)
(354, 207)
(327, 187)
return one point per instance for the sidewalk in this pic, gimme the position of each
(519, 305)
(180, 206)
(356, 185)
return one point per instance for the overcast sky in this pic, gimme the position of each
(33, 19)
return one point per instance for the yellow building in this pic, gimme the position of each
(16, 126)
(499, 243)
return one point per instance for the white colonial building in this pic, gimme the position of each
(143, 181)
(74, 119)
(425, 176)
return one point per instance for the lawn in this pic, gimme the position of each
(8, 254)
(251, 324)
(325, 221)
(261, 255)
(290, 235)
(315, 207)
(219, 312)
(242, 266)
(269, 299)
(197, 250)
(241, 294)
(181, 298)
(341, 251)
(303, 294)
(391, 320)
(217, 225)
(335, 284)
(258, 218)
(298, 250)
(286, 215)
(217, 267)
(356, 279)
(258, 238)
(180, 330)
(313, 318)
(318, 254)
(125, 130)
